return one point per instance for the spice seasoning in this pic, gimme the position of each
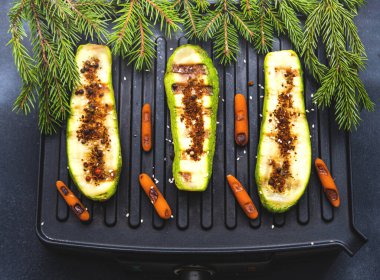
(196, 69)
(283, 135)
(92, 131)
(193, 117)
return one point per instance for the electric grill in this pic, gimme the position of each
(210, 225)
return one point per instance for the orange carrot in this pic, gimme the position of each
(242, 197)
(241, 120)
(74, 203)
(146, 128)
(328, 183)
(159, 202)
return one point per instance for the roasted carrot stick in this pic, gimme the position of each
(146, 128)
(328, 183)
(74, 203)
(159, 202)
(242, 197)
(241, 120)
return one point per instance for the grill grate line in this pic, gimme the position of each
(62, 209)
(206, 207)
(254, 126)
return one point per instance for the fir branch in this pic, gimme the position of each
(263, 21)
(292, 23)
(341, 84)
(191, 12)
(310, 44)
(49, 71)
(162, 11)
(304, 7)
(132, 33)
(91, 17)
(224, 24)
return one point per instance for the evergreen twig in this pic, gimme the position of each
(49, 70)
(132, 35)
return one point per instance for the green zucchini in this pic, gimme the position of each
(93, 144)
(284, 153)
(192, 89)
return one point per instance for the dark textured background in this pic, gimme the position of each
(22, 256)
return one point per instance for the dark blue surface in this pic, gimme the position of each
(23, 257)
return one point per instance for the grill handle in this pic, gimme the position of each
(194, 272)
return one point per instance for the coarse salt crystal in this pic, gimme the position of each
(311, 243)
(127, 215)
(261, 115)
(171, 49)
(245, 61)
(272, 226)
(244, 151)
(250, 97)
(312, 125)
(42, 223)
(237, 158)
(142, 220)
(125, 78)
(307, 111)
(261, 96)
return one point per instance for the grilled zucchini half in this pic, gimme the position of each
(284, 152)
(192, 89)
(93, 144)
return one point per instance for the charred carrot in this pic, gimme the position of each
(146, 128)
(241, 120)
(242, 197)
(73, 202)
(159, 202)
(328, 183)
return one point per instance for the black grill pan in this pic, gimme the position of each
(208, 222)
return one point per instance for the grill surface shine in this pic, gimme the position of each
(208, 222)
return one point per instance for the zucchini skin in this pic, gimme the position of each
(213, 80)
(107, 193)
(267, 203)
